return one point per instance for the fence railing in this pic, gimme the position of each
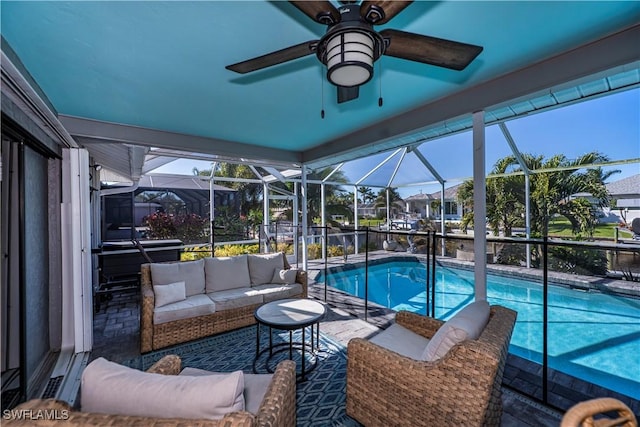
(571, 291)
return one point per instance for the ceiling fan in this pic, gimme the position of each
(351, 45)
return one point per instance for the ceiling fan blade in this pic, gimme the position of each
(320, 11)
(347, 93)
(381, 11)
(430, 50)
(274, 58)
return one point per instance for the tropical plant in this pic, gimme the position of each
(366, 195)
(248, 194)
(190, 228)
(228, 225)
(336, 199)
(552, 192)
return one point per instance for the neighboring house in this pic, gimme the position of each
(421, 204)
(625, 200)
(368, 210)
(625, 196)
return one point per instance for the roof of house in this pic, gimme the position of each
(629, 187)
(449, 193)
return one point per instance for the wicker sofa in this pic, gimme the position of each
(218, 294)
(462, 387)
(277, 408)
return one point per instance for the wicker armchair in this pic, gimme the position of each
(584, 414)
(278, 407)
(462, 388)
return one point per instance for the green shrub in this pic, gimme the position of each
(239, 249)
(196, 253)
(314, 251)
(578, 260)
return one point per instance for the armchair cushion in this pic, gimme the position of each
(467, 324)
(110, 388)
(401, 340)
(255, 386)
(191, 272)
(167, 294)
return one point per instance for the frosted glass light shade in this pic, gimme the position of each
(350, 59)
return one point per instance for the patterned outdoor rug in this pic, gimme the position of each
(320, 399)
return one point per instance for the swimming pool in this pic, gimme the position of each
(592, 336)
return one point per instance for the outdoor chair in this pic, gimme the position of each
(584, 414)
(461, 387)
(270, 399)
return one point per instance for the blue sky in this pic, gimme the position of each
(609, 125)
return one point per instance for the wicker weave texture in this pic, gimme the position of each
(462, 388)
(154, 337)
(588, 414)
(278, 408)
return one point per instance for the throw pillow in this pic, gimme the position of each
(284, 276)
(109, 388)
(467, 324)
(261, 267)
(167, 294)
(192, 272)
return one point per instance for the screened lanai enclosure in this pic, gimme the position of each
(127, 136)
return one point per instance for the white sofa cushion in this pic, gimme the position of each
(167, 294)
(191, 272)
(110, 388)
(235, 298)
(261, 267)
(195, 305)
(272, 292)
(401, 340)
(284, 276)
(223, 273)
(467, 324)
(255, 387)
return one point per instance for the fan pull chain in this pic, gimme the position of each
(322, 97)
(380, 82)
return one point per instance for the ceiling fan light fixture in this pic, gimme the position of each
(349, 58)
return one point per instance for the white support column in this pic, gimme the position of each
(527, 215)
(77, 304)
(388, 210)
(323, 219)
(443, 229)
(356, 238)
(212, 215)
(296, 220)
(265, 214)
(479, 207)
(304, 193)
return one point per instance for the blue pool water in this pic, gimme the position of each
(592, 336)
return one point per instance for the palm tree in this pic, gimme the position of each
(366, 194)
(249, 195)
(551, 193)
(395, 201)
(334, 204)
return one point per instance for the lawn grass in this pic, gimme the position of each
(561, 227)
